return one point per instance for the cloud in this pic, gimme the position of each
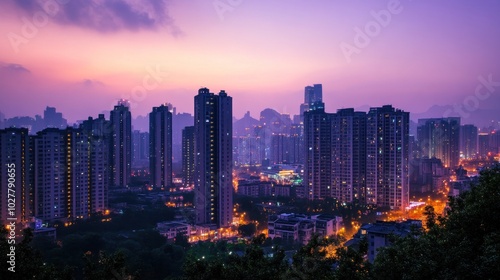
(104, 15)
(13, 68)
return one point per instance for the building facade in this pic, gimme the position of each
(318, 152)
(16, 177)
(300, 228)
(61, 175)
(160, 147)
(188, 155)
(387, 177)
(440, 138)
(213, 158)
(468, 141)
(121, 144)
(349, 156)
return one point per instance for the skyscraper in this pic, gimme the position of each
(160, 147)
(349, 156)
(62, 175)
(16, 185)
(121, 148)
(140, 154)
(54, 119)
(387, 181)
(179, 122)
(213, 158)
(98, 133)
(468, 141)
(318, 152)
(188, 155)
(279, 151)
(312, 95)
(440, 138)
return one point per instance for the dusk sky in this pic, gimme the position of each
(81, 56)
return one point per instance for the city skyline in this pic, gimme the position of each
(82, 67)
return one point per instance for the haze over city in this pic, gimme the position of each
(82, 56)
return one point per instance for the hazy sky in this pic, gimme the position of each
(81, 56)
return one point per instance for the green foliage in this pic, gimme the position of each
(28, 262)
(462, 245)
(311, 261)
(253, 264)
(105, 267)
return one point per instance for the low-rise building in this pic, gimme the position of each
(380, 234)
(301, 228)
(171, 229)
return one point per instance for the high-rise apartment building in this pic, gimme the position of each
(61, 175)
(440, 138)
(188, 155)
(160, 147)
(387, 181)
(16, 181)
(213, 158)
(349, 156)
(71, 170)
(140, 150)
(318, 152)
(98, 133)
(468, 141)
(121, 148)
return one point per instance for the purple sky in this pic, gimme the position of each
(82, 56)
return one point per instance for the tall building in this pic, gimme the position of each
(297, 143)
(140, 154)
(54, 119)
(179, 122)
(279, 151)
(312, 95)
(349, 156)
(188, 155)
(121, 148)
(213, 158)
(318, 152)
(286, 149)
(247, 150)
(160, 147)
(489, 143)
(2, 120)
(62, 184)
(387, 181)
(440, 138)
(16, 184)
(468, 141)
(271, 123)
(98, 133)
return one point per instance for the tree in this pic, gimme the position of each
(28, 262)
(181, 240)
(311, 261)
(351, 263)
(247, 230)
(465, 244)
(105, 267)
